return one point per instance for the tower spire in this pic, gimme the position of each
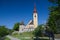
(35, 8)
(35, 17)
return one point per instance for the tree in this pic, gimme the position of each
(54, 16)
(49, 33)
(3, 31)
(38, 31)
(16, 26)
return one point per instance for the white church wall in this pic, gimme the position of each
(21, 28)
(35, 19)
(28, 28)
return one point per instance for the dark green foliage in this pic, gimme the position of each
(10, 31)
(54, 16)
(38, 31)
(16, 26)
(3, 31)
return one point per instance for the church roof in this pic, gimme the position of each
(31, 22)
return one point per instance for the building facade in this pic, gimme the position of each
(32, 24)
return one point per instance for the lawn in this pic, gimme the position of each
(25, 36)
(6, 38)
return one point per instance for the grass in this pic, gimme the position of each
(23, 36)
(44, 39)
(27, 34)
(6, 38)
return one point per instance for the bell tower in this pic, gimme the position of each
(35, 17)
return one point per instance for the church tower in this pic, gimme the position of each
(35, 17)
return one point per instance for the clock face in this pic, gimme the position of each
(35, 15)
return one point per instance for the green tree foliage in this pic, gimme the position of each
(38, 31)
(16, 26)
(3, 31)
(54, 16)
(10, 31)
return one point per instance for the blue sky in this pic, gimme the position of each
(13, 11)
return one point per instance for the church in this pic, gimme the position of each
(32, 24)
